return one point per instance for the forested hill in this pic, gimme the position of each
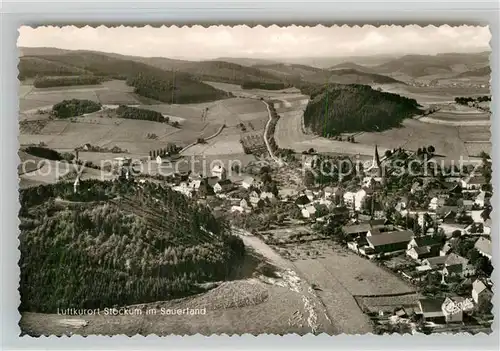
(148, 81)
(114, 243)
(350, 108)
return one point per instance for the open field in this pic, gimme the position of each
(432, 95)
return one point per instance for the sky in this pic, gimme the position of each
(198, 42)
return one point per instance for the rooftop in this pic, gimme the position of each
(483, 245)
(390, 238)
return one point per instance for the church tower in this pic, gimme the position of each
(376, 164)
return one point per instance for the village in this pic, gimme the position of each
(432, 231)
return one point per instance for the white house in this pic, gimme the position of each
(219, 172)
(267, 195)
(359, 198)
(349, 199)
(223, 186)
(160, 159)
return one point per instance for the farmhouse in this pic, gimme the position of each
(391, 241)
(257, 202)
(481, 292)
(483, 245)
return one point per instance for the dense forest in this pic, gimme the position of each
(350, 108)
(139, 113)
(263, 85)
(177, 88)
(74, 107)
(47, 82)
(129, 245)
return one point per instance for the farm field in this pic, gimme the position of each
(448, 140)
(432, 95)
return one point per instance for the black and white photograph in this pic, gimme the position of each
(183, 180)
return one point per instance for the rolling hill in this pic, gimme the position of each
(426, 65)
(148, 81)
(479, 72)
(351, 108)
(30, 67)
(351, 65)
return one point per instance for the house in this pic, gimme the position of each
(334, 194)
(223, 186)
(257, 202)
(244, 204)
(423, 247)
(447, 247)
(473, 182)
(456, 265)
(481, 292)
(163, 158)
(359, 198)
(482, 199)
(87, 146)
(349, 198)
(390, 241)
(434, 263)
(310, 161)
(302, 200)
(309, 211)
(247, 182)
(219, 171)
(436, 202)
(483, 245)
(487, 227)
(431, 310)
(449, 228)
(453, 308)
(309, 194)
(465, 204)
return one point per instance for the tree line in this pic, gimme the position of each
(466, 100)
(47, 82)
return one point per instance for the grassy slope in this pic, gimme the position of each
(38, 66)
